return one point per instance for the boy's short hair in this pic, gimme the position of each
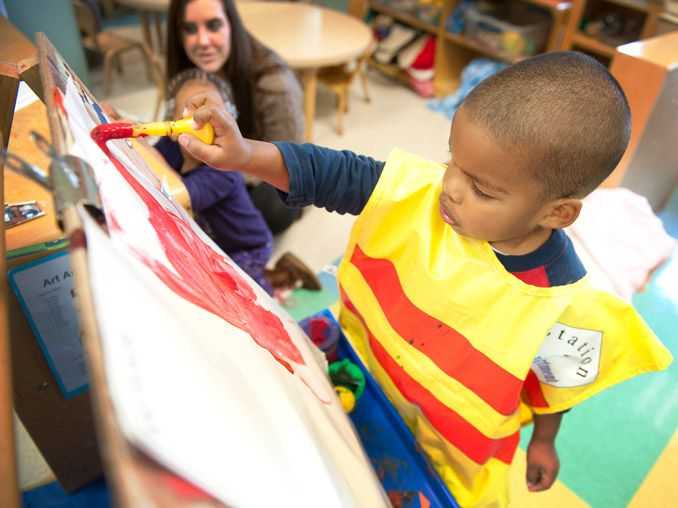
(195, 74)
(564, 112)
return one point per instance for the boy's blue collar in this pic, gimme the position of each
(544, 255)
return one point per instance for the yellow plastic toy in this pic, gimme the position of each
(346, 397)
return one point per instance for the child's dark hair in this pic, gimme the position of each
(564, 111)
(194, 74)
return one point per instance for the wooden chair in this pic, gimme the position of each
(338, 78)
(108, 43)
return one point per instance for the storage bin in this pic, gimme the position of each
(514, 30)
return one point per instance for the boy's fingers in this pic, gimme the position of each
(533, 476)
(219, 120)
(539, 478)
(198, 149)
(201, 100)
(195, 102)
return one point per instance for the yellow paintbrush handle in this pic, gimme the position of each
(183, 126)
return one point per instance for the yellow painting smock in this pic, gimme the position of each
(452, 337)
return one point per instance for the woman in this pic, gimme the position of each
(209, 35)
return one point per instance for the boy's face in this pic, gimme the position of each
(488, 192)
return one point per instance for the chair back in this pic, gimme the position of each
(88, 20)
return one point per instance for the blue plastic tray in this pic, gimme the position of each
(390, 446)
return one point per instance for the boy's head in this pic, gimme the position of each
(527, 144)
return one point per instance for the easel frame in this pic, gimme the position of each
(134, 478)
(20, 63)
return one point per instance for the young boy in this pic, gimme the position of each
(459, 288)
(220, 201)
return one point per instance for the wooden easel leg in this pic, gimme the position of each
(9, 86)
(31, 77)
(9, 493)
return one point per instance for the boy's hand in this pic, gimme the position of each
(542, 465)
(230, 150)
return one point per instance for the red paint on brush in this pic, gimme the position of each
(199, 274)
(105, 131)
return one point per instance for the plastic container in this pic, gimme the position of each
(512, 30)
(324, 332)
(402, 469)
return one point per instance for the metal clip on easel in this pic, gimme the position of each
(70, 180)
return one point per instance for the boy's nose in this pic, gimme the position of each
(455, 190)
(456, 196)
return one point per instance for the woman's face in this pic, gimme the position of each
(206, 34)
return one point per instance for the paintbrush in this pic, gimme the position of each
(104, 132)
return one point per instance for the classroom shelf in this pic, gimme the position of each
(390, 70)
(480, 48)
(552, 5)
(638, 5)
(651, 9)
(592, 44)
(405, 17)
(455, 51)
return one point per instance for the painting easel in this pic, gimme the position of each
(19, 63)
(134, 478)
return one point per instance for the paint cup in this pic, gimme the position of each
(324, 333)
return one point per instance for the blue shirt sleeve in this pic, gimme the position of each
(339, 181)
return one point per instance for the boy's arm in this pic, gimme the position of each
(341, 181)
(542, 458)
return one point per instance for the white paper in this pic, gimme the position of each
(204, 397)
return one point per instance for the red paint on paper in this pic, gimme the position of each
(59, 102)
(199, 274)
(185, 489)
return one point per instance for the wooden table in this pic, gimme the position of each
(307, 38)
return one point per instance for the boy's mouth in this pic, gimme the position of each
(448, 217)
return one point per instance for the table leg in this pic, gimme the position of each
(309, 78)
(158, 32)
(146, 28)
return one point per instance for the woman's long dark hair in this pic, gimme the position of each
(238, 70)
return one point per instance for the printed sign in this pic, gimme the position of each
(45, 291)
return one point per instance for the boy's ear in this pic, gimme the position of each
(560, 213)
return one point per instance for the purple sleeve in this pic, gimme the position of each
(170, 152)
(207, 186)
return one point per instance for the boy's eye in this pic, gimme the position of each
(480, 193)
(189, 28)
(214, 25)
